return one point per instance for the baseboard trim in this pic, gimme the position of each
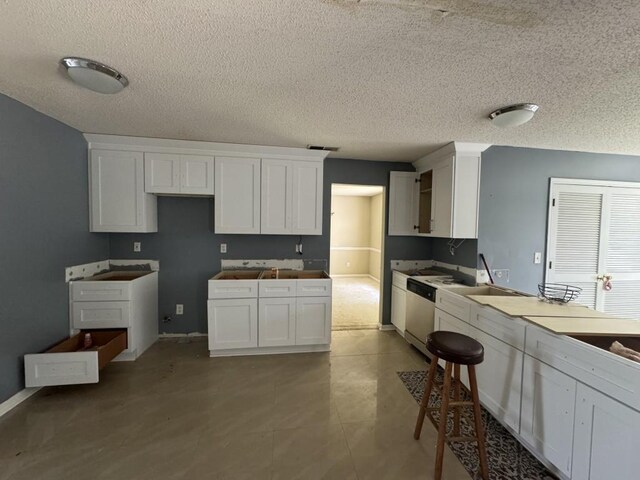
(377, 280)
(17, 399)
(386, 327)
(179, 335)
(344, 275)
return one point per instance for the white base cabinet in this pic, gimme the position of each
(605, 442)
(233, 323)
(548, 410)
(399, 309)
(313, 320)
(277, 322)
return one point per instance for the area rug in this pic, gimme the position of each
(508, 459)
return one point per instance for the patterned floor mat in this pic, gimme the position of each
(508, 459)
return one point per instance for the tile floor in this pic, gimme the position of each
(356, 303)
(177, 414)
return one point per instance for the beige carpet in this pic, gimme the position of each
(355, 303)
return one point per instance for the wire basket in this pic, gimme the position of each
(558, 292)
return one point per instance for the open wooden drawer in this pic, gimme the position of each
(67, 363)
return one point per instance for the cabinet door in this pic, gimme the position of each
(233, 323)
(442, 199)
(500, 379)
(276, 194)
(161, 173)
(606, 438)
(196, 175)
(307, 198)
(118, 200)
(399, 308)
(313, 321)
(276, 322)
(548, 408)
(237, 198)
(403, 203)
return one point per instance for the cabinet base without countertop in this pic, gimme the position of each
(270, 350)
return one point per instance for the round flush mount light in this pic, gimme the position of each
(513, 115)
(94, 75)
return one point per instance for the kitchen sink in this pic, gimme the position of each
(238, 275)
(295, 275)
(485, 290)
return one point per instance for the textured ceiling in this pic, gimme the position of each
(382, 79)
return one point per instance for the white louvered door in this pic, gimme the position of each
(594, 234)
(575, 255)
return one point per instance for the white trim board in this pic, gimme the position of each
(596, 183)
(12, 402)
(347, 249)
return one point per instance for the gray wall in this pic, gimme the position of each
(44, 227)
(188, 249)
(514, 202)
(466, 255)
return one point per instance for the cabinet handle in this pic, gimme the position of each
(416, 227)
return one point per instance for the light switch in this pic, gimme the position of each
(223, 248)
(537, 257)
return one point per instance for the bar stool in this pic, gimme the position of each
(455, 349)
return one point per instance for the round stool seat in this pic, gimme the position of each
(455, 347)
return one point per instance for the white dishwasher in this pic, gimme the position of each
(421, 308)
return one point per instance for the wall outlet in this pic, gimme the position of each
(501, 275)
(179, 309)
(137, 246)
(223, 248)
(537, 257)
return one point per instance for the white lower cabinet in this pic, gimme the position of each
(500, 378)
(313, 320)
(548, 409)
(276, 322)
(233, 323)
(399, 308)
(605, 443)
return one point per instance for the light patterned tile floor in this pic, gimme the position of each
(178, 414)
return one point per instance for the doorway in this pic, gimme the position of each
(356, 256)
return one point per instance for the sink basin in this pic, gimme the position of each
(485, 290)
(238, 275)
(295, 275)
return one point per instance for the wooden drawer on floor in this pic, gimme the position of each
(101, 314)
(67, 363)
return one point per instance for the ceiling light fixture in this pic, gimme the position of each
(94, 75)
(513, 115)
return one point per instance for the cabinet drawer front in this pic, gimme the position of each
(508, 329)
(277, 288)
(445, 321)
(101, 314)
(233, 289)
(615, 377)
(313, 288)
(72, 367)
(399, 280)
(100, 291)
(453, 304)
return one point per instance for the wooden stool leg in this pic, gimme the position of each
(442, 430)
(477, 415)
(428, 386)
(456, 398)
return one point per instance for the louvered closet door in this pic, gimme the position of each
(622, 254)
(575, 251)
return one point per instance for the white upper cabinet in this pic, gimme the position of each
(277, 197)
(403, 203)
(441, 199)
(291, 197)
(307, 198)
(118, 202)
(172, 174)
(237, 199)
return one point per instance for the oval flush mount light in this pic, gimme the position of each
(513, 115)
(94, 75)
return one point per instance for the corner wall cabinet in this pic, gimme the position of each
(118, 202)
(256, 189)
(171, 174)
(441, 198)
